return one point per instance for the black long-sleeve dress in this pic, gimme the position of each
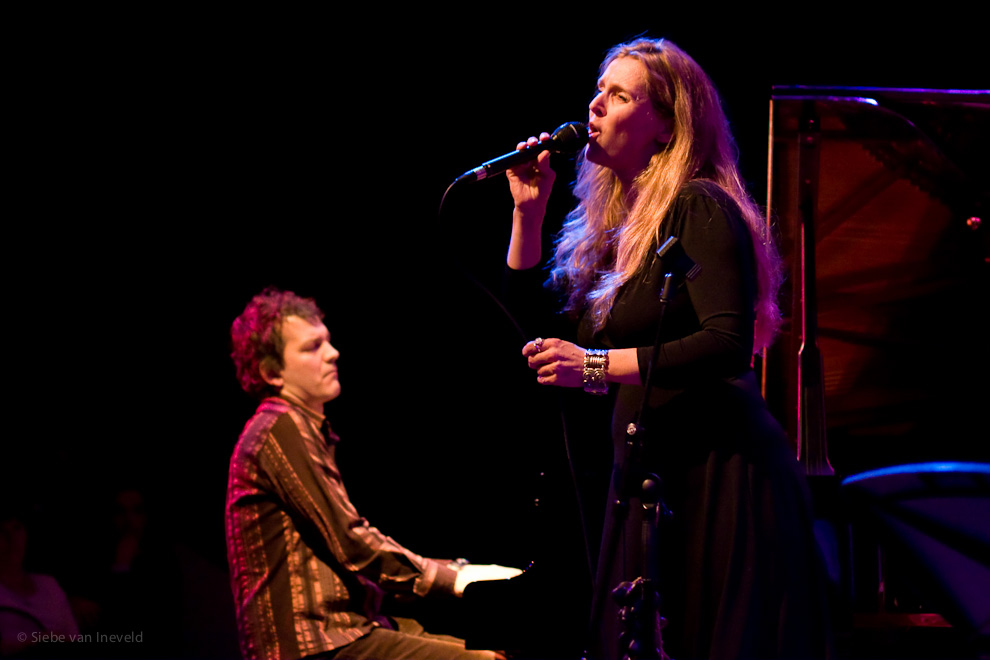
(737, 562)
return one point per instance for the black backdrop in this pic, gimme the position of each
(168, 166)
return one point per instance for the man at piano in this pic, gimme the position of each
(308, 573)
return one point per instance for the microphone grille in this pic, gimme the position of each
(569, 138)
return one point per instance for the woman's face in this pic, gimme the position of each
(624, 128)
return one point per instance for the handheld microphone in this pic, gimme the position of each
(569, 138)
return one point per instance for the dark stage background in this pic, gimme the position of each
(170, 166)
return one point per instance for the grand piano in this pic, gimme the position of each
(879, 199)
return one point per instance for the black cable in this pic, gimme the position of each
(579, 500)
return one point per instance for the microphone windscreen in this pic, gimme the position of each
(569, 138)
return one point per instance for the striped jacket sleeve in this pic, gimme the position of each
(305, 476)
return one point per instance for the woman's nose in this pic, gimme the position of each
(596, 107)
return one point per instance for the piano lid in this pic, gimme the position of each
(936, 138)
(901, 258)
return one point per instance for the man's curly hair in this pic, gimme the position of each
(256, 336)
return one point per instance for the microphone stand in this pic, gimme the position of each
(639, 600)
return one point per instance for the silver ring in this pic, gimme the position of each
(538, 342)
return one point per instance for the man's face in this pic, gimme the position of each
(309, 373)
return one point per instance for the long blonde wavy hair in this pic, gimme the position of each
(607, 238)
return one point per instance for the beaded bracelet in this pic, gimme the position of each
(595, 368)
